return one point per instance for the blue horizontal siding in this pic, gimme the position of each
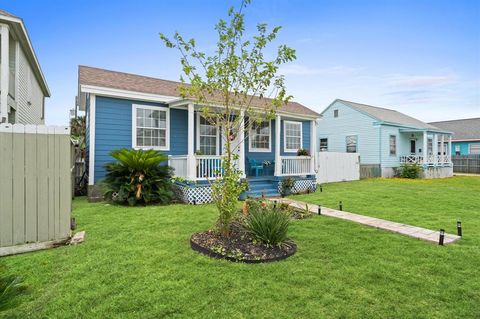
(113, 130)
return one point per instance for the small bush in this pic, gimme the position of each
(409, 171)
(138, 177)
(267, 224)
(303, 152)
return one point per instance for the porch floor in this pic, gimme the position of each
(403, 229)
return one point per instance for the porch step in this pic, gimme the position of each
(265, 186)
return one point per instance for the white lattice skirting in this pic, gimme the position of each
(301, 186)
(198, 194)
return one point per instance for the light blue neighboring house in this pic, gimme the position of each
(384, 139)
(132, 111)
(466, 135)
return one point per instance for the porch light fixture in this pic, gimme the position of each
(340, 205)
(442, 237)
(459, 228)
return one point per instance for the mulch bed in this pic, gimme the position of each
(239, 247)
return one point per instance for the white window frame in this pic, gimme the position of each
(134, 127)
(250, 139)
(356, 144)
(289, 150)
(390, 144)
(217, 138)
(470, 148)
(320, 144)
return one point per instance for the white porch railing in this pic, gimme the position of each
(429, 160)
(179, 164)
(296, 165)
(411, 159)
(208, 166)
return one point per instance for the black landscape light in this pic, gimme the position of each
(194, 202)
(442, 237)
(274, 204)
(319, 210)
(340, 205)
(73, 223)
(321, 189)
(459, 228)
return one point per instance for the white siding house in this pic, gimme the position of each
(22, 85)
(384, 139)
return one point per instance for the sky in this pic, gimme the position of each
(420, 57)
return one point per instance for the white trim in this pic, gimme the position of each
(289, 150)
(91, 154)
(127, 94)
(278, 164)
(134, 127)
(217, 138)
(4, 71)
(191, 162)
(261, 150)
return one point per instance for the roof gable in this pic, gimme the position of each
(144, 84)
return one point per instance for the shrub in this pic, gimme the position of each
(10, 288)
(138, 176)
(409, 171)
(303, 152)
(267, 224)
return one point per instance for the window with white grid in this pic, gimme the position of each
(292, 136)
(260, 137)
(150, 127)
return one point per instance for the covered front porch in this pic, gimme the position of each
(426, 148)
(267, 151)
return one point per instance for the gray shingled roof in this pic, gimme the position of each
(8, 14)
(465, 129)
(138, 83)
(390, 116)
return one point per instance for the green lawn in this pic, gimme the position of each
(137, 263)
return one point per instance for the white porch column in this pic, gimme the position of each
(435, 149)
(241, 146)
(442, 149)
(449, 148)
(4, 72)
(191, 167)
(425, 148)
(278, 163)
(313, 143)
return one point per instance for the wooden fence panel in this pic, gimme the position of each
(35, 185)
(6, 201)
(466, 163)
(18, 170)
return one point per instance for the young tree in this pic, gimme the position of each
(236, 87)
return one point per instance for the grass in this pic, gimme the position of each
(137, 263)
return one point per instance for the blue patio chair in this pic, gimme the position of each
(254, 166)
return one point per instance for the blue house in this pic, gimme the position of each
(131, 111)
(385, 139)
(466, 135)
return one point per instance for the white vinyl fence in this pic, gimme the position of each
(35, 185)
(337, 167)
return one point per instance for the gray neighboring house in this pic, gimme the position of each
(466, 135)
(22, 85)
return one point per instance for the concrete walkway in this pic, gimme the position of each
(408, 230)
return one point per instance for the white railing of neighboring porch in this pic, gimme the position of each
(430, 160)
(296, 165)
(411, 159)
(179, 164)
